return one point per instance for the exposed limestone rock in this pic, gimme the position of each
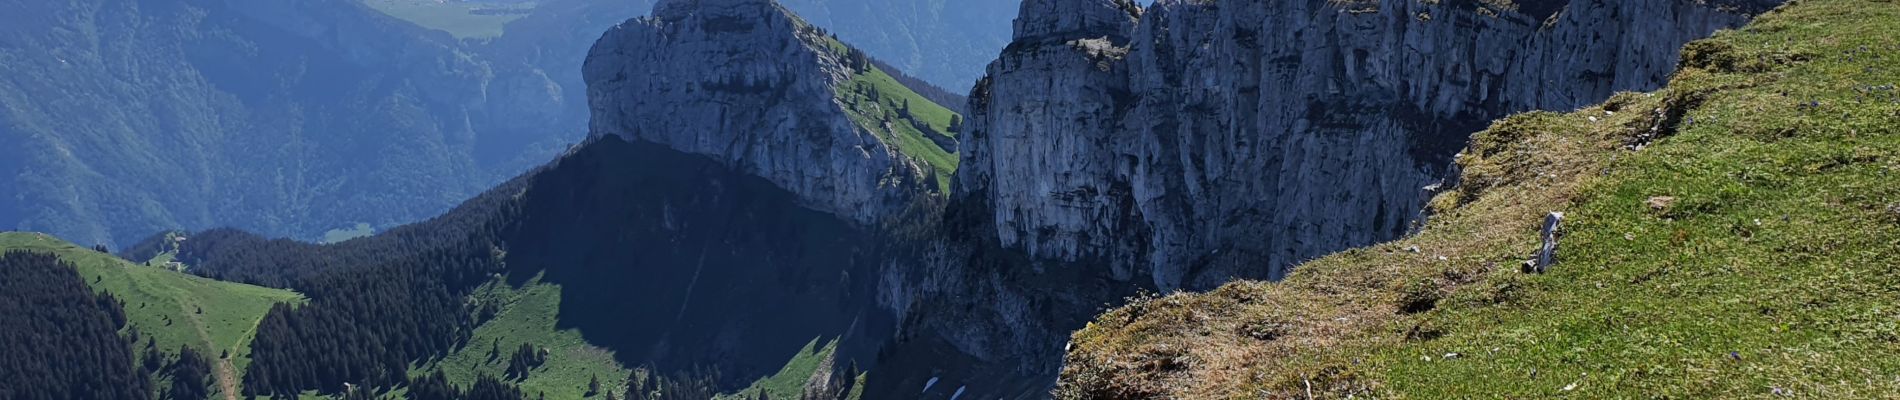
(1049, 109)
(1553, 230)
(748, 84)
(1061, 20)
(1235, 139)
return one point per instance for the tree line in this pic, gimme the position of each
(58, 339)
(376, 305)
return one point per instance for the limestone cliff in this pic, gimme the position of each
(750, 85)
(1199, 141)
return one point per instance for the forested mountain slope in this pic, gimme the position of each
(1732, 235)
(49, 314)
(715, 281)
(163, 311)
(299, 117)
(656, 262)
(292, 118)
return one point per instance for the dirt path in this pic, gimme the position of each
(227, 372)
(227, 379)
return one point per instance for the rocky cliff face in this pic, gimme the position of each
(748, 84)
(1195, 141)
(1179, 146)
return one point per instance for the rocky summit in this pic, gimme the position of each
(747, 83)
(1197, 141)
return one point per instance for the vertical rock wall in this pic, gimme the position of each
(750, 85)
(1219, 140)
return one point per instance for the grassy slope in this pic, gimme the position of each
(1773, 271)
(164, 305)
(910, 139)
(789, 382)
(528, 315)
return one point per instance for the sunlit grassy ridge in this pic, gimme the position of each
(917, 127)
(529, 315)
(789, 382)
(1751, 250)
(173, 308)
(881, 113)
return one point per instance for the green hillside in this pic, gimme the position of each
(919, 128)
(529, 315)
(1734, 235)
(789, 382)
(173, 308)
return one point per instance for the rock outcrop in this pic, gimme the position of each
(1196, 141)
(746, 83)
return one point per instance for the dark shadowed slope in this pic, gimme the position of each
(61, 341)
(681, 263)
(671, 261)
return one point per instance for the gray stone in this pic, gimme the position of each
(1236, 139)
(1553, 231)
(743, 82)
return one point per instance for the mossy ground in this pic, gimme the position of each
(1774, 272)
(172, 308)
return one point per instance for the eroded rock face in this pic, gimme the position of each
(746, 83)
(1235, 139)
(1062, 20)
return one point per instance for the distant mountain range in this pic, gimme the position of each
(287, 117)
(296, 118)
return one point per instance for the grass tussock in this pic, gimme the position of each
(1733, 235)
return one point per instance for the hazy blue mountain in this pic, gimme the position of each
(285, 116)
(293, 118)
